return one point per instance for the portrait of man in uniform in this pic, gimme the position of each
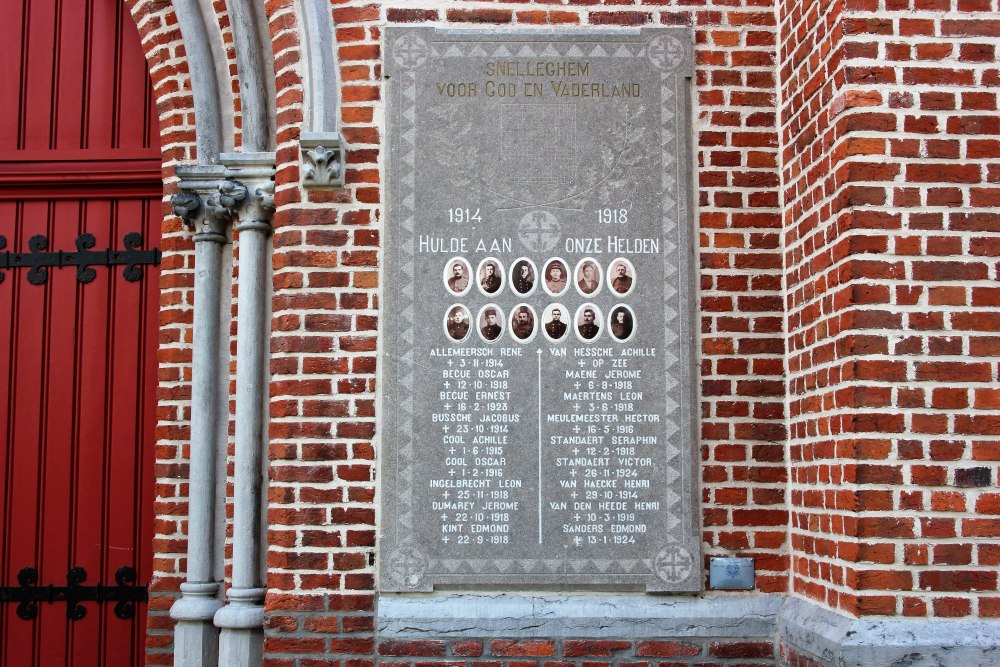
(588, 277)
(489, 277)
(489, 324)
(523, 277)
(522, 323)
(555, 277)
(458, 323)
(555, 328)
(621, 323)
(587, 324)
(621, 276)
(457, 279)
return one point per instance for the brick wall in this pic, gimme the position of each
(167, 61)
(323, 491)
(855, 161)
(889, 144)
(161, 41)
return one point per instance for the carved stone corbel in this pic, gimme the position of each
(322, 159)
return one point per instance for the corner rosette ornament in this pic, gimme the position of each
(186, 205)
(673, 564)
(322, 167)
(411, 51)
(408, 565)
(666, 52)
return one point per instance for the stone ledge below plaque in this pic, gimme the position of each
(576, 615)
(833, 639)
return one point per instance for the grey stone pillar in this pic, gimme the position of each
(241, 621)
(202, 207)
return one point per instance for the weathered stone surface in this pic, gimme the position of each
(750, 617)
(536, 448)
(834, 639)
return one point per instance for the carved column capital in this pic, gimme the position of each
(258, 208)
(254, 173)
(208, 211)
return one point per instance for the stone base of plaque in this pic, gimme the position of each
(812, 635)
(597, 615)
(804, 633)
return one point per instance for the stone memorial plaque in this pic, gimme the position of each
(539, 392)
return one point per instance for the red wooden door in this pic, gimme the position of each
(78, 155)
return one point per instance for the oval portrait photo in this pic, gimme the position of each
(621, 323)
(621, 276)
(588, 276)
(554, 320)
(457, 276)
(589, 319)
(490, 276)
(456, 323)
(490, 322)
(522, 323)
(556, 274)
(523, 275)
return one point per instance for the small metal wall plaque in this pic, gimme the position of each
(540, 342)
(731, 574)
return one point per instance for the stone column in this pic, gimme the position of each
(202, 207)
(241, 621)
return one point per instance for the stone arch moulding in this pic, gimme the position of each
(255, 69)
(213, 103)
(320, 144)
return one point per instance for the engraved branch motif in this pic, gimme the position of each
(621, 155)
(460, 155)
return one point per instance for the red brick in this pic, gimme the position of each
(576, 648)
(525, 647)
(417, 647)
(666, 649)
(741, 649)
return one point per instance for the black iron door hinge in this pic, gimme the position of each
(38, 259)
(28, 593)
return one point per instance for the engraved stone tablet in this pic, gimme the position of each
(539, 375)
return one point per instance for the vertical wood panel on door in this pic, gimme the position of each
(79, 154)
